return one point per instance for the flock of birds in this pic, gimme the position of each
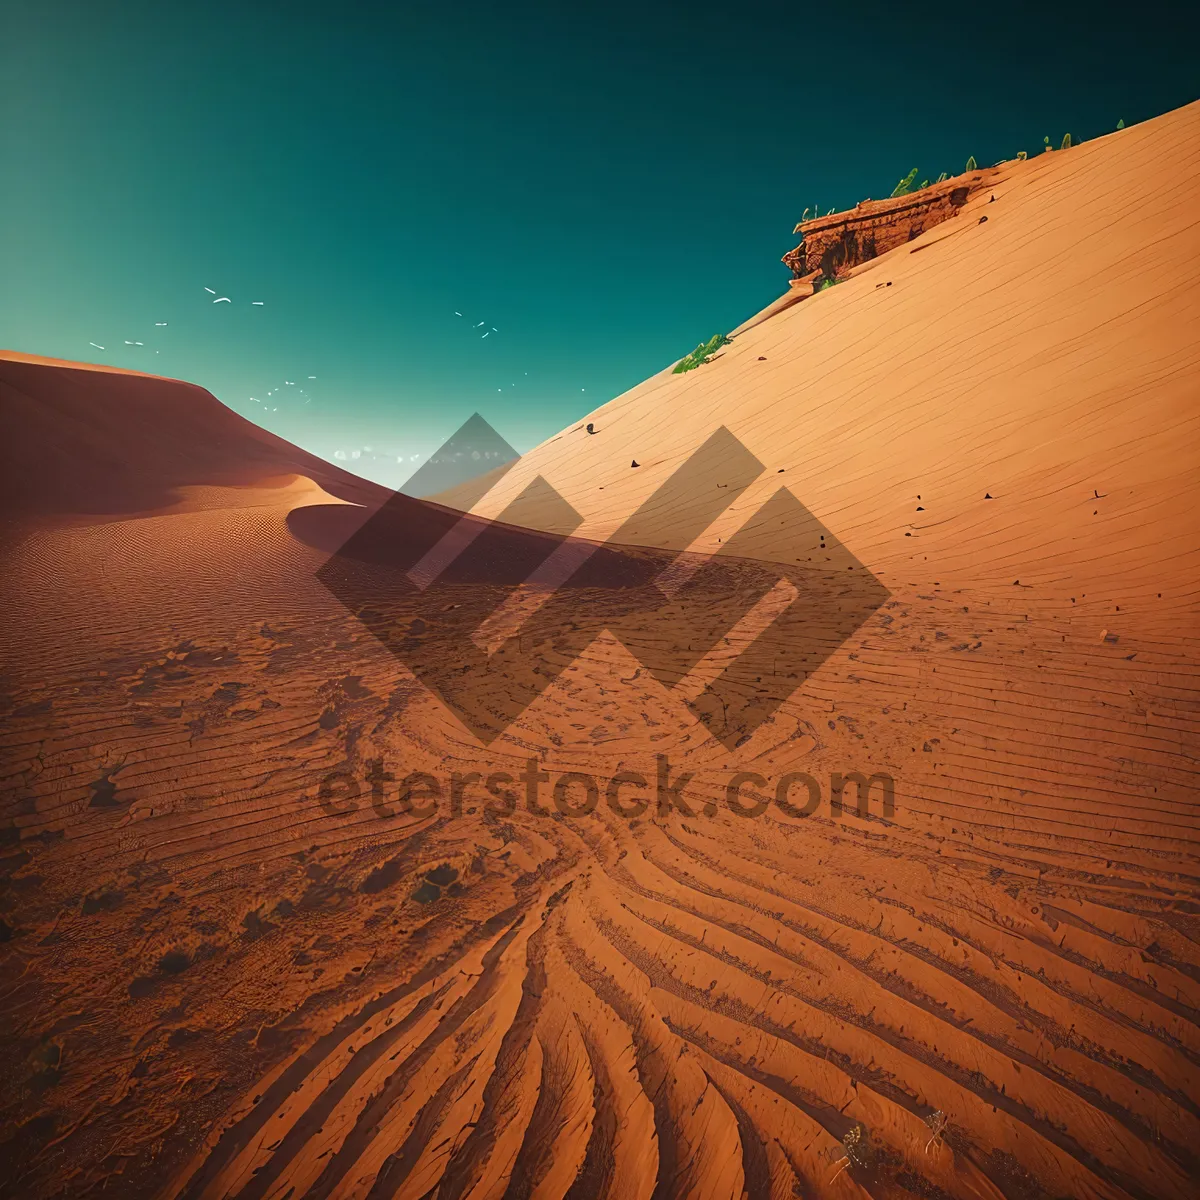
(274, 391)
(491, 330)
(227, 300)
(163, 324)
(480, 325)
(265, 403)
(157, 325)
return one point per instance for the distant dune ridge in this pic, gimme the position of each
(96, 440)
(242, 958)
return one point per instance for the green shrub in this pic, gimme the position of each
(906, 184)
(1021, 155)
(1121, 124)
(701, 354)
(1066, 142)
(972, 165)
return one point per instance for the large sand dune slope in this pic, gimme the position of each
(217, 986)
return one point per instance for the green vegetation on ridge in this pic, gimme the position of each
(908, 185)
(701, 354)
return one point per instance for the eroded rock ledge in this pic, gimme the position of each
(834, 244)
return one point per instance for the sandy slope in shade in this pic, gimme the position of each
(214, 988)
(91, 441)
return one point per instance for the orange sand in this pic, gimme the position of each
(214, 988)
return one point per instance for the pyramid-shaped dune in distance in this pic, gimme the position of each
(248, 956)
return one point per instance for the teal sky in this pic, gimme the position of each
(605, 185)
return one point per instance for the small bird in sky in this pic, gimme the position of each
(96, 344)
(222, 300)
(312, 377)
(488, 334)
(258, 302)
(210, 291)
(477, 326)
(457, 313)
(159, 324)
(128, 343)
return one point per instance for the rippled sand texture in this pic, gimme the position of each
(215, 987)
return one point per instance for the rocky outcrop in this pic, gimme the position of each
(843, 240)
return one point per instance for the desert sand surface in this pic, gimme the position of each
(215, 985)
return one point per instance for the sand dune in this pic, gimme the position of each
(87, 440)
(220, 983)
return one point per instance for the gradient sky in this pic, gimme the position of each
(605, 184)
